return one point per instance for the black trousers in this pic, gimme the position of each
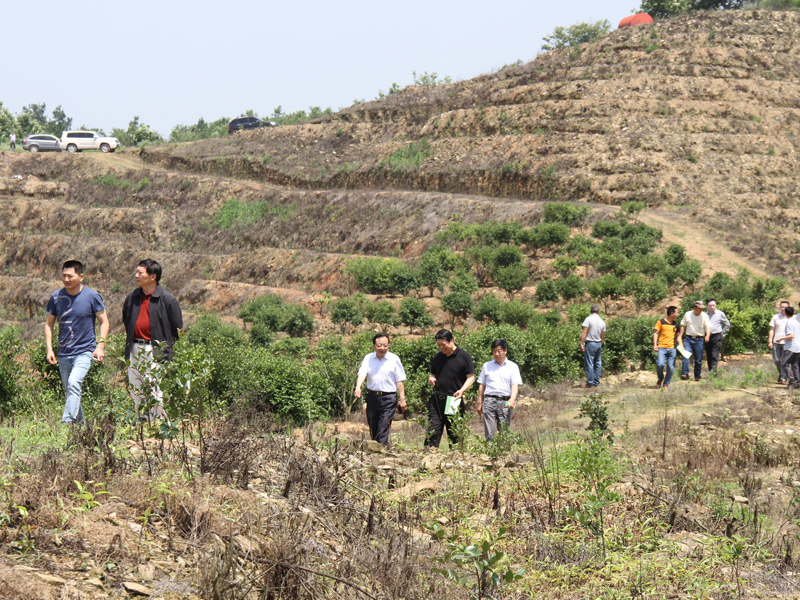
(438, 421)
(713, 350)
(380, 412)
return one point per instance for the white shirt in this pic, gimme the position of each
(778, 324)
(793, 326)
(498, 379)
(382, 374)
(696, 324)
(595, 326)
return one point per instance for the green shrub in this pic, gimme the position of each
(269, 313)
(489, 308)
(235, 214)
(566, 213)
(408, 158)
(749, 326)
(565, 265)
(457, 304)
(414, 314)
(675, 255)
(10, 347)
(434, 267)
(382, 313)
(347, 311)
(209, 329)
(570, 287)
(606, 228)
(547, 291)
(517, 313)
(382, 275)
(545, 235)
(512, 278)
(576, 313)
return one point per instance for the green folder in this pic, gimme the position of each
(451, 406)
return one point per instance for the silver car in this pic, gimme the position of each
(41, 142)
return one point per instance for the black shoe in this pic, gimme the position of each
(697, 379)
(685, 377)
(659, 382)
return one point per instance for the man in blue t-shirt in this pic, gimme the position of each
(75, 307)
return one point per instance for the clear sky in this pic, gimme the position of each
(172, 62)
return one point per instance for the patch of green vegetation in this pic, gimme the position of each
(408, 158)
(110, 180)
(237, 214)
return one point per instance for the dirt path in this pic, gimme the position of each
(701, 245)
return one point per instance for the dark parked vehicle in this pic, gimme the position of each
(41, 142)
(248, 123)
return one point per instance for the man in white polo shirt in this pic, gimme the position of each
(791, 350)
(777, 329)
(498, 387)
(592, 338)
(695, 333)
(384, 374)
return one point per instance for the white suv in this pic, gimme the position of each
(75, 141)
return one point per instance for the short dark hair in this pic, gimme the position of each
(789, 311)
(500, 343)
(710, 300)
(783, 302)
(444, 334)
(671, 309)
(378, 336)
(73, 264)
(152, 267)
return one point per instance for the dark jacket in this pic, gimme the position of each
(165, 320)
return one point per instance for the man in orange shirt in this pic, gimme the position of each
(664, 343)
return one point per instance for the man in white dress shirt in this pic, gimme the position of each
(498, 387)
(384, 374)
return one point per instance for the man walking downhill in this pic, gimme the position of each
(452, 374)
(498, 387)
(777, 329)
(665, 341)
(152, 319)
(720, 326)
(791, 350)
(592, 338)
(696, 328)
(76, 308)
(384, 374)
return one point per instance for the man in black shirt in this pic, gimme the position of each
(452, 374)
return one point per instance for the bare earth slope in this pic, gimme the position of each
(698, 116)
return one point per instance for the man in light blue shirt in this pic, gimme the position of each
(384, 374)
(498, 387)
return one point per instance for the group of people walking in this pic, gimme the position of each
(452, 373)
(784, 341)
(152, 319)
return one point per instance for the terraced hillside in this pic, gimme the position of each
(698, 116)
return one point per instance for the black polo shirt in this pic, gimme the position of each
(451, 371)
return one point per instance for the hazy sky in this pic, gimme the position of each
(172, 62)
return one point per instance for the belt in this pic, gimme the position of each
(695, 337)
(441, 396)
(506, 398)
(142, 341)
(376, 393)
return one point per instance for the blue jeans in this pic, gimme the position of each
(695, 346)
(592, 362)
(73, 369)
(665, 356)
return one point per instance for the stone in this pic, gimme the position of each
(741, 500)
(413, 490)
(147, 572)
(137, 588)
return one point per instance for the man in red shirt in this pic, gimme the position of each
(152, 319)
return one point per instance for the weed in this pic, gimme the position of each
(408, 158)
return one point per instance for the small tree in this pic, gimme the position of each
(575, 35)
(413, 313)
(489, 308)
(347, 311)
(512, 278)
(547, 291)
(382, 313)
(457, 304)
